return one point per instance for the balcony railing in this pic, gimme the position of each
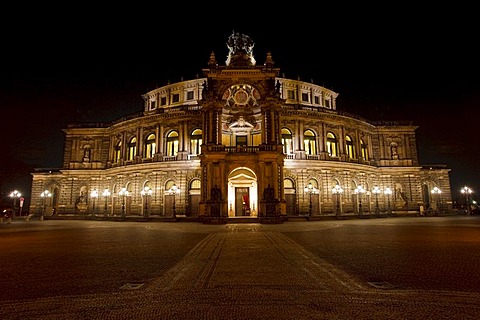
(255, 149)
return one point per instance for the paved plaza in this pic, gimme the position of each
(389, 268)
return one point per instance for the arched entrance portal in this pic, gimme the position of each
(242, 193)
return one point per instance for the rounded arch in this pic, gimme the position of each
(431, 196)
(242, 192)
(170, 185)
(288, 183)
(195, 184)
(196, 141)
(194, 196)
(287, 140)
(290, 190)
(310, 142)
(147, 183)
(350, 146)
(363, 150)
(149, 136)
(132, 148)
(171, 195)
(146, 193)
(49, 205)
(172, 143)
(117, 151)
(150, 145)
(312, 191)
(313, 182)
(332, 144)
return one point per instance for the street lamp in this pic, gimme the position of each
(467, 191)
(15, 194)
(94, 196)
(388, 192)
(359, 190)
(146, 192)
(45, 194)
(123, 193)
(337, 191)
(436, 193)
(310, 189)
(106, 193)
(376, 190)
(174, 190)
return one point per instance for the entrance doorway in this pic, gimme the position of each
(242, 193)
(242, 201)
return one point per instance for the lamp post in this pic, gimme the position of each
(337, 191)
(123, 193)
(174, 190)
(94, 196)
(310, 189)
(146, 192)
(467, 191)
(359, 190)
(106, 194)
(436, 194)
(45, 194)
(15, 194)
(388, 193)
(376, 190)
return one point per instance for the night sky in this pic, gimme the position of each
(401, 64)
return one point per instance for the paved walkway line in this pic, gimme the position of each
(249, 257)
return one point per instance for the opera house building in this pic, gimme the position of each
(240, 141)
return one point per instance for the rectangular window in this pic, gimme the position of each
(317, 99)
(305, 97)
(163, 101)
(152, 105)
(175, 97)
(291, 94)
(189, 95)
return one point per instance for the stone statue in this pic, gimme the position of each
(240, 47)
(268, 193)
(216, 194)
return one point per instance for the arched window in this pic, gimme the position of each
(132, 148)
(196, 142)
(170, 186)
(288, 184)
(309, 142)
(118, 152)
(349, 147)
(172, 144)
(332, 145)
(364, 149)
(150, 146)
(195, 184)
(312, 183)
(287, 141)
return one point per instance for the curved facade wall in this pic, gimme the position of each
(241, 142)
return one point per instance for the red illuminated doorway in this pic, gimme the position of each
(242, 201)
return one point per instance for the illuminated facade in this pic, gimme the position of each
(240, 142)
